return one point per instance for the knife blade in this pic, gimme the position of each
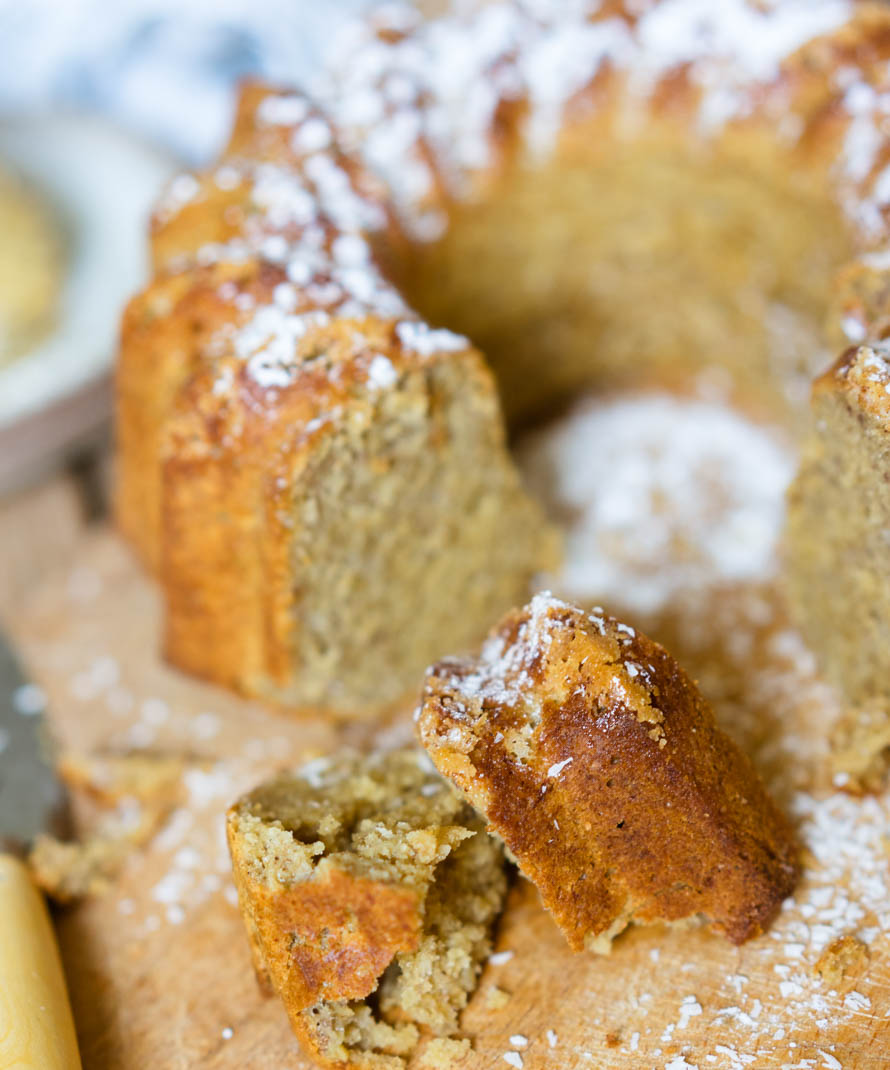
(36, 1025)
(32, 799)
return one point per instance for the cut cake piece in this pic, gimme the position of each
(839, 526)
(598, 762)
(369, 889)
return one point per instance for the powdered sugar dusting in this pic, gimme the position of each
(180, 191)
(734, 44)
(283, 110)
(381, 372)
(865, 193)
(502, 672)
(418, 101)
(268, 343)
(313, 221)
(419, 338)
(556, 65)
(309, 216)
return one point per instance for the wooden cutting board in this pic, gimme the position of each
(158, 966)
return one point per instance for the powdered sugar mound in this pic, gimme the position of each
(662, 497)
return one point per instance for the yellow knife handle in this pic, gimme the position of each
(36, 1027)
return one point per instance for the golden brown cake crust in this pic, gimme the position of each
(327, 931)
(366, 922)
(596, 759)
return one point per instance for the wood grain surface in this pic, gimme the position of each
(158, 966)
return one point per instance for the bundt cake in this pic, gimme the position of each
(369, 889)
(594, 193)
(598, 762)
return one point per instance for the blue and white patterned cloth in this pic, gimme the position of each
(164, 68)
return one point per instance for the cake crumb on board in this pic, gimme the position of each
(132, 795)
(441, 1053)
(842, 962)
(496, 998)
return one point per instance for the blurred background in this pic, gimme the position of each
(99, 105)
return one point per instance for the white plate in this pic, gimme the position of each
(102, 183)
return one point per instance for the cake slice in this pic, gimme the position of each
(598, 762)
(837, 537)
(838, 525)
(305, 464)
(369, 889)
